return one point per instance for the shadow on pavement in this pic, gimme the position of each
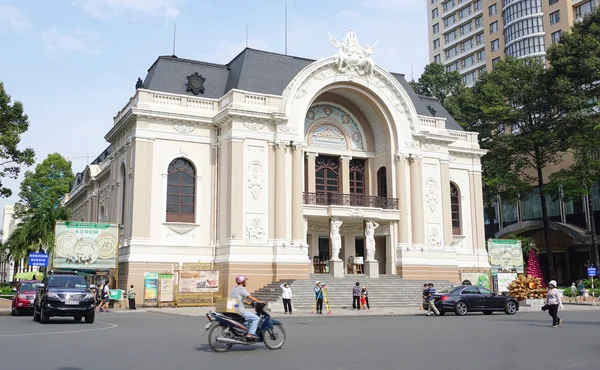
(549, 322)
(239, 348)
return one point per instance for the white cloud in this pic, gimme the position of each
(105, 9)
(14, 18)
(58, 41)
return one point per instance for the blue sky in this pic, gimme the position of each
(74, 63)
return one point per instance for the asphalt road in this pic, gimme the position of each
(152, 341)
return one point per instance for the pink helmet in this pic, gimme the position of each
(240, 279)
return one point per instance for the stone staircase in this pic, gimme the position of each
(385, 291)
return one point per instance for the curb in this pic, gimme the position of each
(4, 312)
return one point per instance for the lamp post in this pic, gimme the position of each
(4, 259)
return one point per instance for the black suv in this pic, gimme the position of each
(64, 294)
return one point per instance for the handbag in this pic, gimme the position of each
(545, 307)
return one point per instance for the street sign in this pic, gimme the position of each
(38, 259)
(592, 271)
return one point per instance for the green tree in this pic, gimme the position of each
(577, 57)
(523, 123)
(13, 123)
(43, 189)
(437, 82)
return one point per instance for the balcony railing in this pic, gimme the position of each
(351, 200)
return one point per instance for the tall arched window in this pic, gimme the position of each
(123, 194)
(327, 174)
(181, 191)
(455, 206)
(357, 176)
(382, 183)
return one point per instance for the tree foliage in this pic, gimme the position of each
(438, 83)
(13, 123)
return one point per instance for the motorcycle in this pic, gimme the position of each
(227, 329)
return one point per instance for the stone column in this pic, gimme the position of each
(280, 203)
(298, 235)
(310, 171)
(446, 206)
(345, 174)
(403, 195)
(477, 205)
(416, 204)
(236, 189)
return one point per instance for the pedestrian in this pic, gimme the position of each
(553, 303)
(319, 297)
(105, 297)
(424, 294)
(356, 296)
(431, 301)
(365, 298)
(286, 295)
(573, 292)
(131, 297)
(580, 290)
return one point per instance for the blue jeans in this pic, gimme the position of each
(253, 318)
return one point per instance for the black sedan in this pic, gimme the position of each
(471, 298)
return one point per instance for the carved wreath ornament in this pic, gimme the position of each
(256, 178)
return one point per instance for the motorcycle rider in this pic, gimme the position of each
(241, 294)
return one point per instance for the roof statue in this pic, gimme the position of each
(352, 56)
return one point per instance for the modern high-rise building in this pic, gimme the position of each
(470, 36)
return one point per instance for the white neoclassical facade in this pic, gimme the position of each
(247, 164)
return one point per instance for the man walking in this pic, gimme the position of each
(287, 297)
(319, 297)
(431, 301)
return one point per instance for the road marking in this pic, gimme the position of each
(111, 326)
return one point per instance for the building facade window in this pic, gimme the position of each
(556, 36)
(584, 9)
(555, 17)
(525, 47)
(523, 28)
(327, 172)
(466, 45)
(481, 56)
(494, 27)
(493, 10)
(495, 61)
(469, 78)
(452, 67)
(436, 28)
(434, 13)
(468, 61)
(520, 9)
(552, 2)
(455, 207)
(480, 39)
(478, 22)
(496, 44)
(181, 191)
(357, 176)
(481, 71)
(437, 59)
(477, 5)
(464, 13)
(450, 36)
(465, 29)
(382, 182)
(436, 44)
(452, 52)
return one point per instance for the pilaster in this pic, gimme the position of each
(310, 171)
(416, 187)
(446, 206)
(298, 235)
(403, 195)
(280, 203)
(345, 174)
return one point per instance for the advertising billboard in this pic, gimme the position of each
(506, 255)
(86, 245)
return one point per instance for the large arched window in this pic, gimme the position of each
(382, 182)
(327, 174)
(181, 191)
(357, 176)
(455, 206)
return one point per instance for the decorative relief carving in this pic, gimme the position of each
(183, 129)
(254, 126)
(432, 147)
(353, 229)
(383, 230)
(351, 56)
(434, 237)
(356, 212)
(432, 193)
(183, 152)
(255, 229)
(256, 178)
(318, 228)
(181, 229)
(411, 144)
(287, 128)
(343, 118)
(452, 158)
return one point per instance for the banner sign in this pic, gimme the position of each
(505, 256)
(150, 289)
(166, 287)
(86, 245)
(38, 259)
(198, 281)
(592, 271)
(477, 278)
(504, 280)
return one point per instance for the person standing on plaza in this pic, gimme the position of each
(356, 296)
(424, 294)
(431, 301)
(131, 297)
(574, 294)
(365, 297)
(553, 302)
(580, 290)
(319, 297)
(286, 295)
(105, 297)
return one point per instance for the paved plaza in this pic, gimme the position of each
(143, 340)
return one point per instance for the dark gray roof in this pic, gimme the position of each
(257, 71)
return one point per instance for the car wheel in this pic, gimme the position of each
(36, 314)
(89, 319)
(14, 312)
(442, 313)
(488, 312)
(43, 317)
(510, 308)
(461, 309)
(77, 318)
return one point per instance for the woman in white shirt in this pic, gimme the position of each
(553, 302)
(287, 297)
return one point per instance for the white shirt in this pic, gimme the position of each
(287, 292)
(106, 290)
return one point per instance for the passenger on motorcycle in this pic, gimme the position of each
(241, 294)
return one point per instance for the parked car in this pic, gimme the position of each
(24, 296)
(64, 294)
(471, 298)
